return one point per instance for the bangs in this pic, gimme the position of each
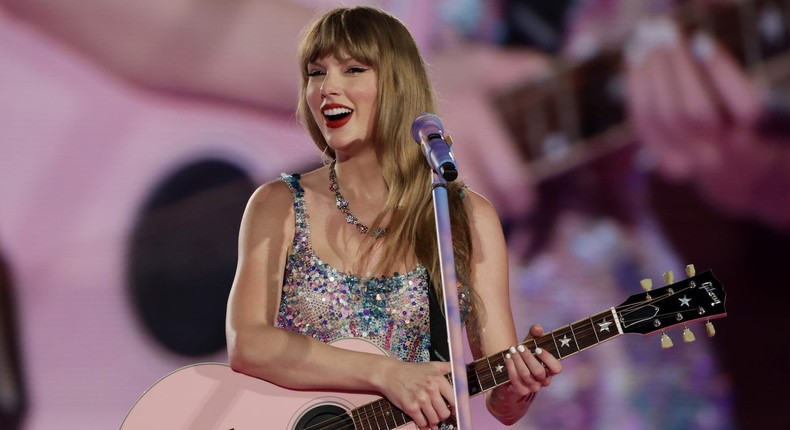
(343, 33)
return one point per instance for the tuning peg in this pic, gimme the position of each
(647, 285)
(710, 329)
(666, 342)
(669, 277)
(688, 336)
(690, 270)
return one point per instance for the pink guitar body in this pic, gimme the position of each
(213, 396)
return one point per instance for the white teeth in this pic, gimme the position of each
(336, 111)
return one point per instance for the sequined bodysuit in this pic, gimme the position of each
(327, 304)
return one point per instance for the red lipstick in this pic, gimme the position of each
(336, 115)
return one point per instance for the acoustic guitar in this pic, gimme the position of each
(576, 114)
(213, 396)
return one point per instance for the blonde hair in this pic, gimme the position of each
(381, 41)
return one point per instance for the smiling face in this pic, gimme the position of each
(341, 94)
(369, 66)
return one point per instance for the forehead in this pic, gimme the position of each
(342, 42)
(341, 57)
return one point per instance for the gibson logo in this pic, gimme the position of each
(708, 286)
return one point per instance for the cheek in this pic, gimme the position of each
(313, 98)
(369, 96)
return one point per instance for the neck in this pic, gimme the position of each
(360, 176)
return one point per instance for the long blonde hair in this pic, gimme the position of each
(381, 41)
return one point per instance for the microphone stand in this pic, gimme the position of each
(451, 306)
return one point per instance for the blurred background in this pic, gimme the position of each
(132, 134)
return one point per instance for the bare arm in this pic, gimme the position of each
(226, 49)
(495, 328)
(257, 348)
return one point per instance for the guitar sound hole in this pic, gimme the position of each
(332, 416)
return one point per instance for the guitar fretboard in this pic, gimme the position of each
(696, 298)
(577, 114)
(489, 372)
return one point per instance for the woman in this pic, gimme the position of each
(348, 250)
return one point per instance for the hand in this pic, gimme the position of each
(698, 114)
(529, 371)
(420, 390)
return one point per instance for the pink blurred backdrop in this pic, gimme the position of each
(87, 131)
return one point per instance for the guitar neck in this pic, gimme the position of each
(700, 297)
(577, 114)
(489, 372)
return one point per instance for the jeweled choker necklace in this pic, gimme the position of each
(342, 204)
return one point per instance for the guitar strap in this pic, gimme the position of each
(439, 349)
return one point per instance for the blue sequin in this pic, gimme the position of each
(327, 304)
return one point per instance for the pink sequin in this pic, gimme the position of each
(327, 304)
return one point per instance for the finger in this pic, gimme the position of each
(535, 366)
(536, 331)
(524, 370)
(738, 94)
(446, 403)
(550, 362)
(444, 366)
(652, 99)
(429, 412)
(417, 416)
(516, 383)
(665, 111)
(698, 115)
(440, 405)
(697, 105)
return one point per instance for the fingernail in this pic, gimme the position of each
(635, 52)
(665, 32)
(538, 351)
(702, 46)
(512, 349)
(649, 35)
(521, 348)
(507, 356)
(659, 33)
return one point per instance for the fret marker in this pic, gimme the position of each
(565, 341)
(604, 325)
(499, 368)
(685, 301)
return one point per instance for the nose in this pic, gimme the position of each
(330, 85)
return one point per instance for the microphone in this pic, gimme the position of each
(428, 131)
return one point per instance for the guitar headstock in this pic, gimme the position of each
(700, 297)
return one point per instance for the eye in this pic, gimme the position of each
(315, 72)
(356, 69)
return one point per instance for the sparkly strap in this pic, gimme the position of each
(293, 183)
(302, 232)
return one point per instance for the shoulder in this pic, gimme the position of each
(480, 208)
(276, 197)
(271, 195)
(314, 181)
(269, 206)
(269, 215)
(484, 223)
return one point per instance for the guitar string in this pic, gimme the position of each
(331, 424)
(588, 331)
(347, 419)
